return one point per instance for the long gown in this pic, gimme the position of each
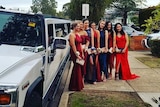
(97, 65)
(76, 82)
(110, 55)
(85, 38)
(103, 56)
(91, 70)
(122, 60)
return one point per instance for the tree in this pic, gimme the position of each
(153, 23)
(1, 7)
(125, 6)
(96, 9)
(44, 6)
(65, 10)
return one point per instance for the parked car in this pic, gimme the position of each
(145, 42)
(132, 32)
(136, 27)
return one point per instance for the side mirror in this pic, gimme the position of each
(59, 43)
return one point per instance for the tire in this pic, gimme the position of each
(35, 100)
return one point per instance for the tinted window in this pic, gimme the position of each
(20, 29)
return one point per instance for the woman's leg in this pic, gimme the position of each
(111, 64)
(93, 67)
(118, 60)
(105, 68)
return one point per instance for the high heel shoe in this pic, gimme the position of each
(116, 76)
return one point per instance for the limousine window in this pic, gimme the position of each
(20, 29)
(61, 30)
(50, 34)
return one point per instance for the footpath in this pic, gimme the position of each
(147, 86)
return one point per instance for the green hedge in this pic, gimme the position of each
(155, 47)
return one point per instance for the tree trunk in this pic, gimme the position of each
(125, 18)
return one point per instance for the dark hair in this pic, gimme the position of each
(85, 19)
(91, 23)
(74, 24)
(109, 30)
(115, 29)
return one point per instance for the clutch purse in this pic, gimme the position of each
(110, 50)
(90, 51)
(119, 50)
(80, 61)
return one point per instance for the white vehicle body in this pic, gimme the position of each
(28, 69)
(132, 32)
(153, 36)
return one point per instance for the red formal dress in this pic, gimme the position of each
(98, 72)
(76, 82)
(122, 60)
(110, 55)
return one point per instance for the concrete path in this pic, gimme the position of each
(147, 86)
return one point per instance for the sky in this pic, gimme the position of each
(23, 5)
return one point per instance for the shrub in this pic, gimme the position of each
(155, 47)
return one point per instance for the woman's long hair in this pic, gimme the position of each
(115, 29)
(99, 28)
(109, 30)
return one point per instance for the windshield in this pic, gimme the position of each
(20, 29)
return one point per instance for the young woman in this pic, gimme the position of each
(104, 48)
(122, 54)
(111, 46)
(85, 44)
(97, 46)
(91, 72)
(76, 82)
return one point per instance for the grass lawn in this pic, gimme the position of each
(105, 99)
(152, 62)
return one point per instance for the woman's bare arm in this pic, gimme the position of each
(72, 42)
(114, 41)
(98, 38)
(106, 40)
(92, 38)
(127, 42)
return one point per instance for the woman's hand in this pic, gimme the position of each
(99, 50)
(106, 50)
(79, 57)
(123, 51)
(85, 49)
(114, 50)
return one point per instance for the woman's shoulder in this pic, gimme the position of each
(72, 34)
(84, 33)
(106, 31)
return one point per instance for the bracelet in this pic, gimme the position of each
(77, 53)
(98, 49)
(93, 48)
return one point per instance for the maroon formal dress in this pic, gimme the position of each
(122, 60)
(98, 72)
(110, 55)
(76, 82)
(85, 38)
